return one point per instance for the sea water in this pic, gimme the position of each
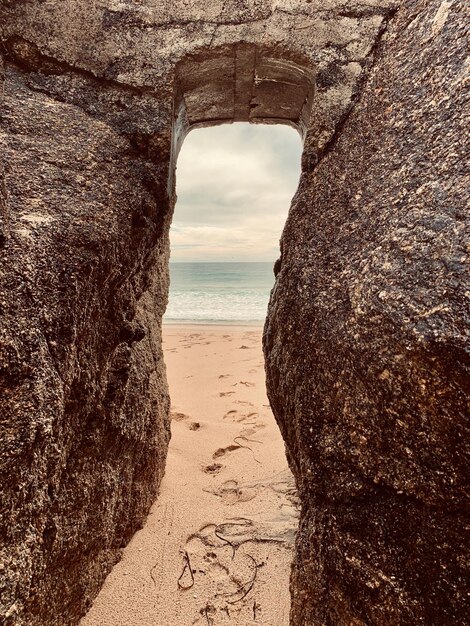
(217, 293)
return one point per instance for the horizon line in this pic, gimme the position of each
(222, 261)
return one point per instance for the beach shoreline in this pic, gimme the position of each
(206, 325)
(223, 293)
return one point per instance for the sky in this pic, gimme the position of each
(234, 183)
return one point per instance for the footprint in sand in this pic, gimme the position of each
(250, 416)
(179, 417)
(223, 451)
(235, 416)
(244, 347)
(214, 468)
(194, 426)
(222, 394)
(247, 383)
(231, 493)
(247, 432)
(225, 375)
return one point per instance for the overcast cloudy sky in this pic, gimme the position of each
(234, 183)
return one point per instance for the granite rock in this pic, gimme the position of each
(365, 341)
(84, 402)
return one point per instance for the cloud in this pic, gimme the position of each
(234, 185)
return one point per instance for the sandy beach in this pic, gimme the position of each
(218, 543)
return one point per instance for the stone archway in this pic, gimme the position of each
(365, 338)
(243, 83)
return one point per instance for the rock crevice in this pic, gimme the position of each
(366, 340)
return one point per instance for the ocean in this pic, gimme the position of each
(218, 293)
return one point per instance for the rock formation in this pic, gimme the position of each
(367, 342)
(365, 337)
(83, 392)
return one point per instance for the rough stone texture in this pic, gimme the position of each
(367, 342)
(83, 391)
(365, 337)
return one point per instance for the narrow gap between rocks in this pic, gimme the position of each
(218, 544)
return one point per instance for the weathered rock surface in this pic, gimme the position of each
(83, 392)
(365, 340)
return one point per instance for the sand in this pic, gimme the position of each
(218, 543)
